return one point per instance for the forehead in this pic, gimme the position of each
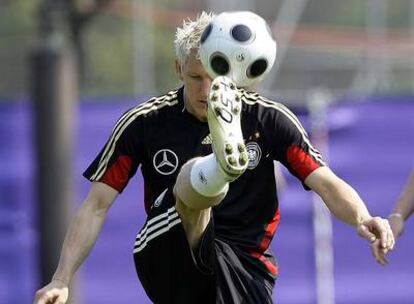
(193, 64)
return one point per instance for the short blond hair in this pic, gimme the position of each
(187, 38)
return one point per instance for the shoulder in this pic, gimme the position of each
(157, 103)
(263, 105)
(150, 107)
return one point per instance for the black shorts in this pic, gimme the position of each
(170, 272)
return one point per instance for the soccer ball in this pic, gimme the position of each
(239, 45)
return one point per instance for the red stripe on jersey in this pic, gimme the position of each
(117, 175)
(272, 268)
(301, 162)
(264, 244)
(269, 232)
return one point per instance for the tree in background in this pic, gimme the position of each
(77, 15)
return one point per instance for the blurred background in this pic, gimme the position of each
(70, 68)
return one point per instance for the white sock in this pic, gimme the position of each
(207, 178)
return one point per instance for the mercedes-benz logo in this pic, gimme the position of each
(165, 161)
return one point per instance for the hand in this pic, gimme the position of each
(397, 224)
(378, 252)
(56, 292)
(379, 232)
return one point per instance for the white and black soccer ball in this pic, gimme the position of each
(239, 45)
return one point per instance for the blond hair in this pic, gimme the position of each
(187, 38)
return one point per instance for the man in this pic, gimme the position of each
(206, 152)
(403, 209)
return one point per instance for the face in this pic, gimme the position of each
(196, 86)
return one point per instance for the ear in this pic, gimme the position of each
(178, 69)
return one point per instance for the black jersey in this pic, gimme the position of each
(160, 136)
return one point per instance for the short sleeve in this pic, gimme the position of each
(290, 143)
(119, 159)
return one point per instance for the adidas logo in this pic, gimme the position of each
(207, 140)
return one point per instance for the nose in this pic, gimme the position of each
(205, 86)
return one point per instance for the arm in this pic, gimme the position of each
(341, 199)
(344, 202)
(81, 236)
(403, 208)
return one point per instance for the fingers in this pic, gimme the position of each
(378, 228)
(53, 296)
(378, 231)
(46, 298)
(387, 240)
(378, 252)
(364, 232)
(383, 227)
(41, 298)
(390, 235)
(50, 300)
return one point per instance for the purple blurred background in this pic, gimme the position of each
(371, 146)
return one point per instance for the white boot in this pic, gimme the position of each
(223, 115)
